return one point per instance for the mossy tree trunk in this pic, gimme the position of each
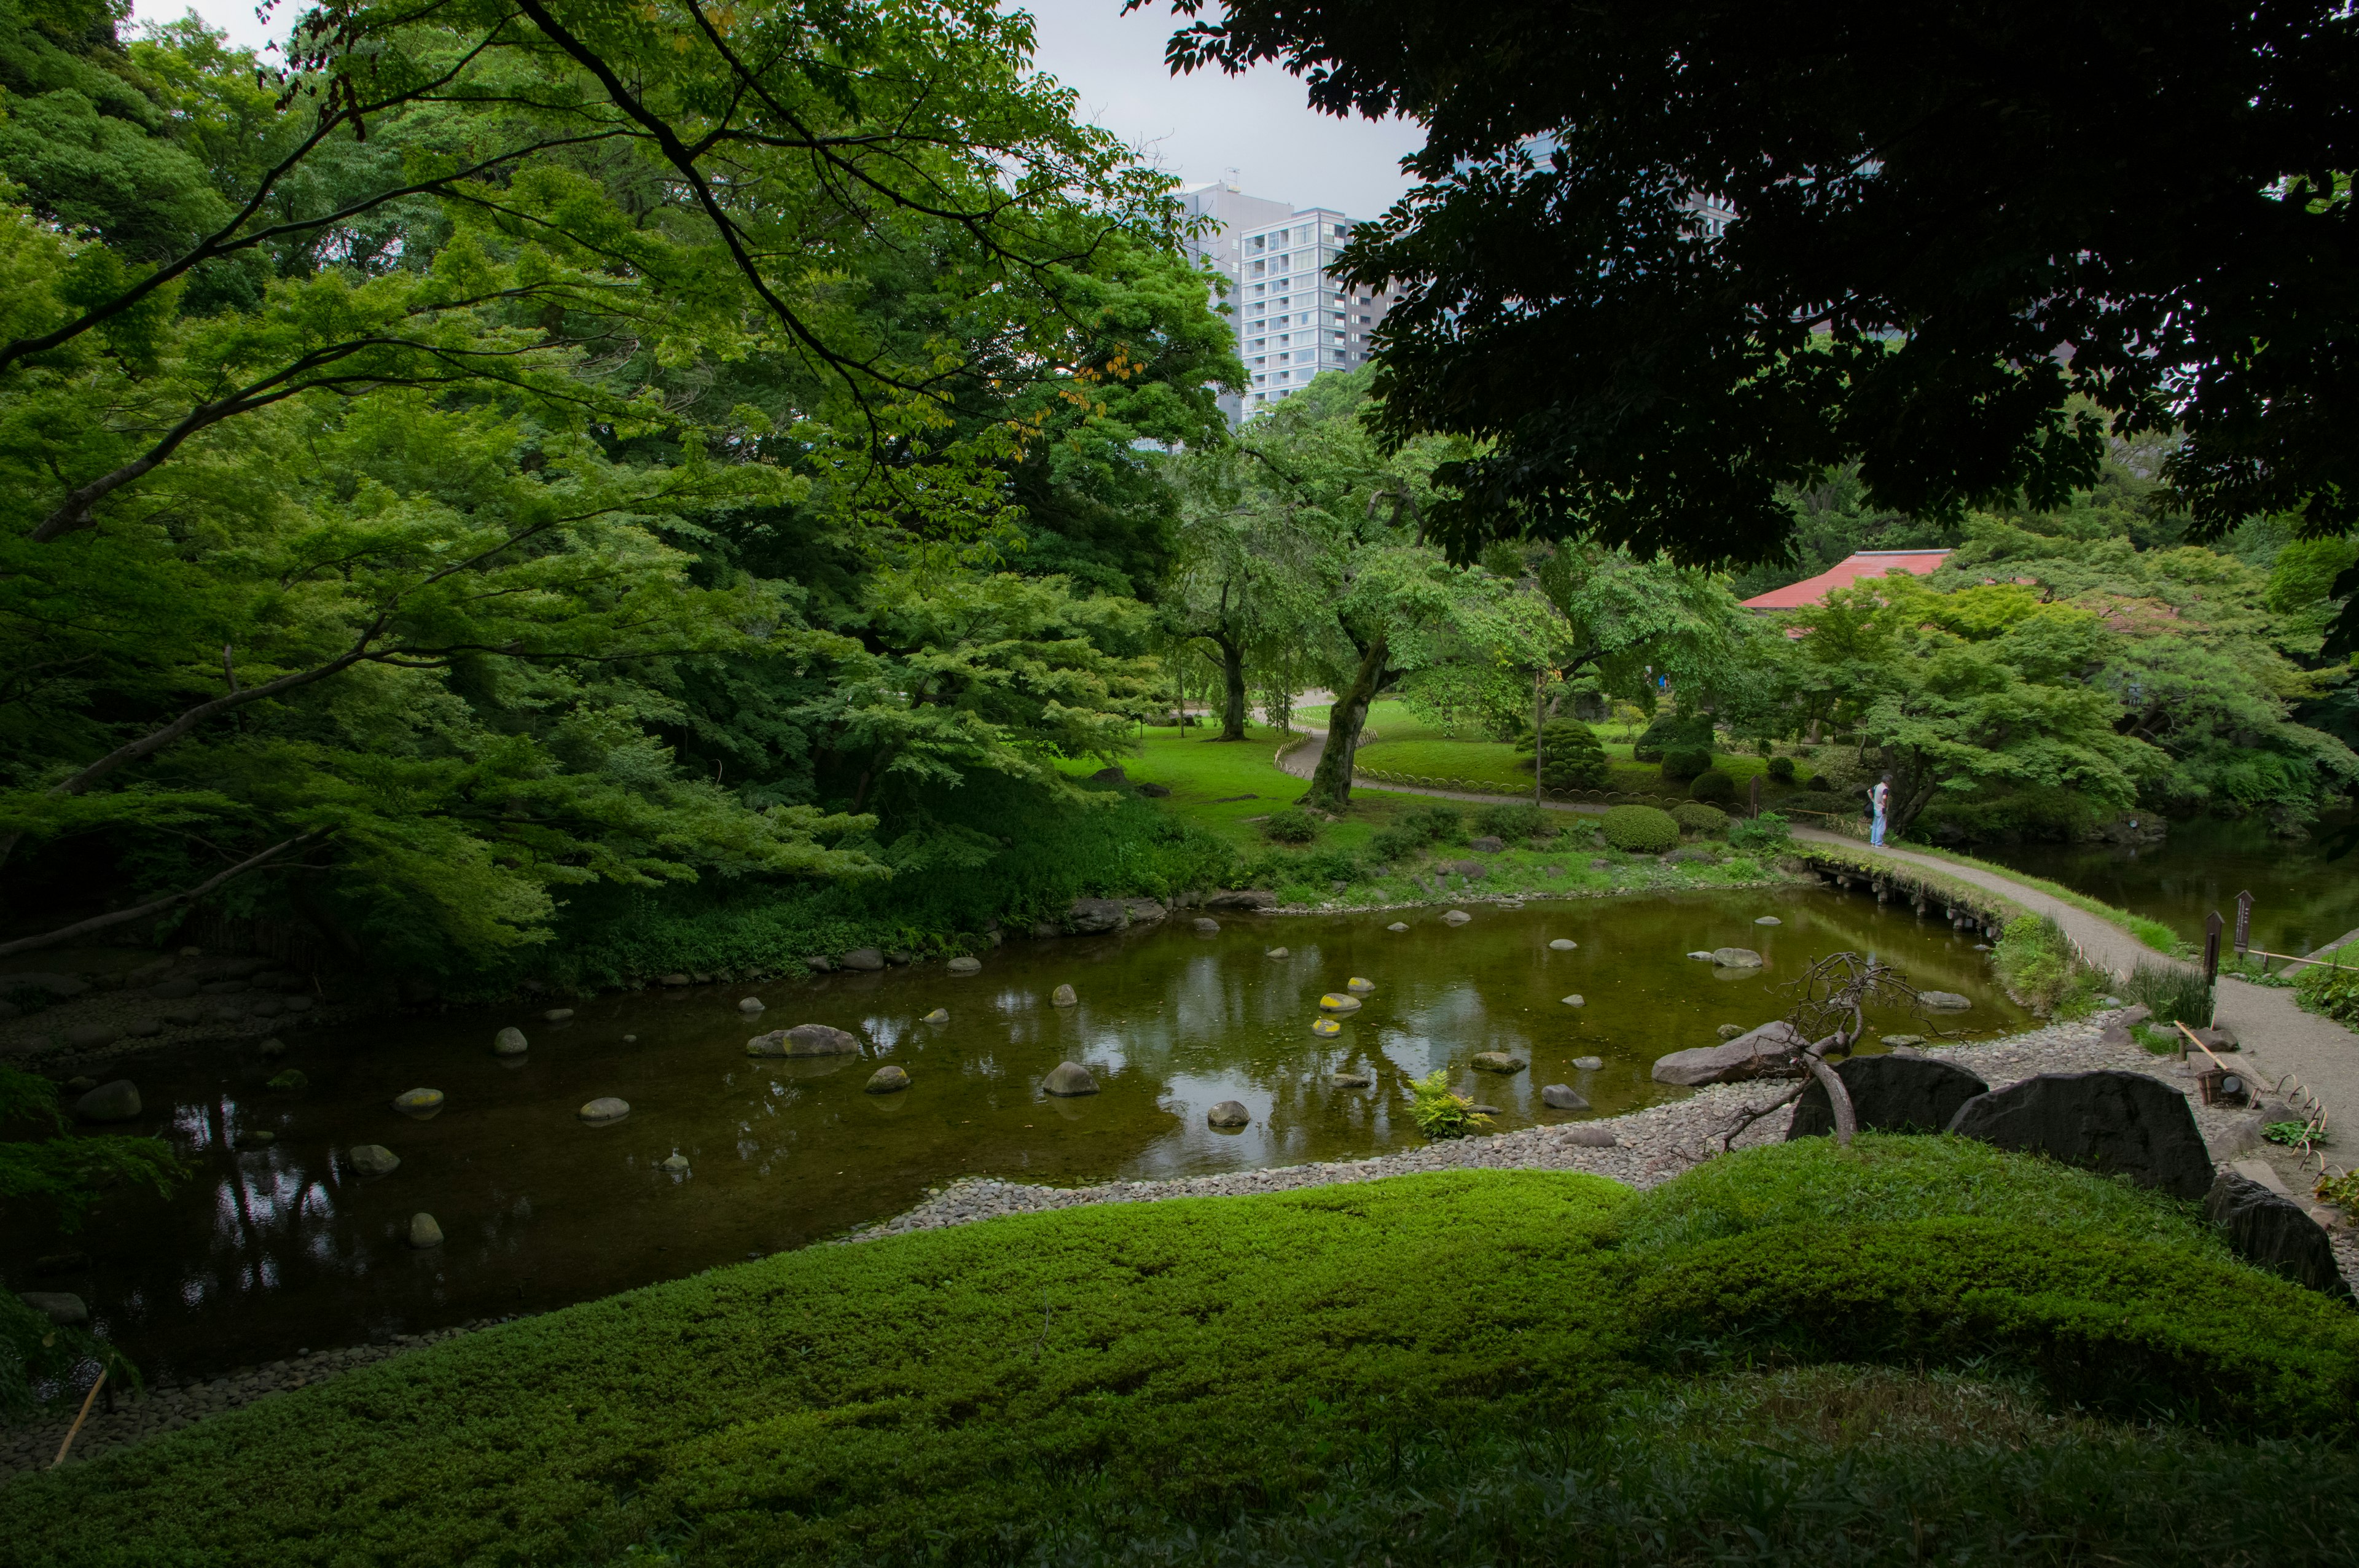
(1330, 783)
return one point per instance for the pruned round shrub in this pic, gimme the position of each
(1673, 731)
(1640, 830)
(1290, 825)
(1571, 757)
(1712, 784)
(1695, 816)
(1684, 762)
(1782, 769)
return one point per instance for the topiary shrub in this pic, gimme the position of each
(1673, 731)
(1695, 816)
(1685, 763)
(1712, 784)
(1571, 757)
(1782, 769)
(1640, 830)
(1290, 825)
(1512, 822)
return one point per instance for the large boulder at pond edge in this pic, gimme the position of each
(1889, 1094)
(804, 1040)
(60, 1307)
(1747, 1056)
(862, 958)
(966, 964)
(1069, 1080)
(2118, 1123)
(1243, 898)
(2267, 1229)
(117, 1101)
(1563, 1097)
(1089, 916)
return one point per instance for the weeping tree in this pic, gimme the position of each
(1827, 1019)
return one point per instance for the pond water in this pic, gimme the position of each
(2305, 891)
(270, 1250)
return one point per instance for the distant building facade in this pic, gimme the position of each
(1293, 318)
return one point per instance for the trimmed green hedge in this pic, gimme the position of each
(1639, 829)
(1695, 816)
(946, 1395)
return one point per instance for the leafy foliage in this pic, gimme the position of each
(1695, 816)
(1767, 833)
(2329, 991)
(1440, 1113)
(1570, 756)
(2037, 963)
(1290, 825)
(1639, 829)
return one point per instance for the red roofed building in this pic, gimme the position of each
(1845, 572)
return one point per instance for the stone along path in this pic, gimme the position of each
(2282, 1042)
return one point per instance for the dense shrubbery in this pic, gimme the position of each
(1153, 1369)
(1290, 825)
(1570, 756)
(2037, 963)
(2174, 994)
(1512, 822)
(1712, 784)
(1639, 829)
(1768, 832)
(1695, 816)
(2330, 991)
(1781, 768)
(1415, 830)
(1671, 731)
(2051, 813)
(1684, 762)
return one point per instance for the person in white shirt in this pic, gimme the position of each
(1880, 799)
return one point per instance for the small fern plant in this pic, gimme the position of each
(1438, 1112)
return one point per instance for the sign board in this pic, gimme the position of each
(2243, 921)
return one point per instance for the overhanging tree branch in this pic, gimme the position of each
(156, 906)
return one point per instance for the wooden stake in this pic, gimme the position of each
(75, 1428)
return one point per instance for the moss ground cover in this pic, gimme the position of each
(1164, 1370)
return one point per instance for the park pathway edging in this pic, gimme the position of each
(2281, 1040)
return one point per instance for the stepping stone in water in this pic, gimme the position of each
(1351, 1080)
(1456, 917)
(887, 1080)
(1563, 1097)
(1736, 958)
(1498, 1061)
(1206, 926)
(1069, 1080)
(750, 1005)
(603, 1110)
(1335, 1001)
(1397, 926)
(1228, 1114)
(1275, 952)
(372, 1159)
(677, 1163)
(1576, 1000)
(1063, 997)
(1588, 1063)
(509, 1041)
(966, 965)
(558, 1014)
(1359, 987)
(1563, 945)
(1325, 1028)
(423, 1232)
(939, 1015)
(419, 1103)
(1767, 920)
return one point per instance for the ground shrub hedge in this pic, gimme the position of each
(1781, 768)
(1669, 731)
(1512, 822)
(1639, 829)
(1682, 763)
(1695, 816)
(1290, 825)
(1154, 1371)
(1712, 785)
(1768, 832)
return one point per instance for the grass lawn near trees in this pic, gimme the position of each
(1104, 1382)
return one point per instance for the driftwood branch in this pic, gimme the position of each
(1828, 1018)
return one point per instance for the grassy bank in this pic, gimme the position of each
(2154, 934)
(1131, 1381)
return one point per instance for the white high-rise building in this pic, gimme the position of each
(1292, 319)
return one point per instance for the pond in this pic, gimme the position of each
(284, 1248)
(2305, 891)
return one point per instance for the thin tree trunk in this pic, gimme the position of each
(156, 906)
(1232, 670)
(1540, 748)
(1330, 784)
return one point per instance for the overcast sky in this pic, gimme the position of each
(1196, 126)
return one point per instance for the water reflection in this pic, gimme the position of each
(279, 1246)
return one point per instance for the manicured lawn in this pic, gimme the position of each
(1130, 1372)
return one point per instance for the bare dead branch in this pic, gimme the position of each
(156, 906)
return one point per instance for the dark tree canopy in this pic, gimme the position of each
(1961, 246)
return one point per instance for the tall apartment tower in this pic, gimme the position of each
(1292, 319)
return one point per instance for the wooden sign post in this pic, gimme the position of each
(2244, 921)
(2212, 925)
(1754, 803)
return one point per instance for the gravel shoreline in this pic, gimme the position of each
(1651, 1146)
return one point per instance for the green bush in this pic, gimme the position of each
(1639, 829)
(1767, 833)
(1290, 825)
(2174, 995)
(1571, 757)
(1712, 784)
(1672, 731)
(1684, 762)
(1782, 769)
(1395, 843)
(2039, 967)
(1436, 824)
(1695, 816)
(1513, 822)
(2050, 814)
(2329, 991)
(1818, 802)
